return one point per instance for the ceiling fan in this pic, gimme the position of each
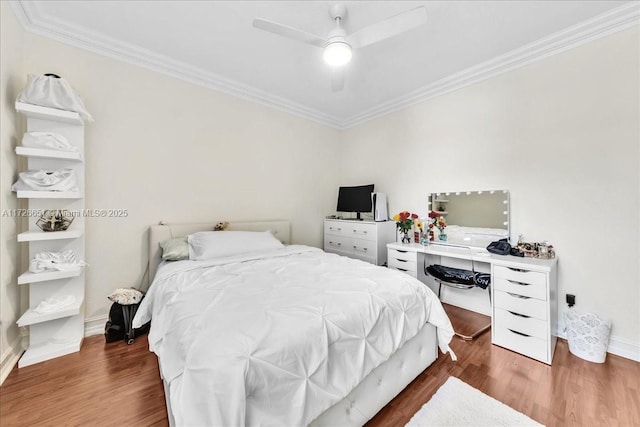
(338, 44)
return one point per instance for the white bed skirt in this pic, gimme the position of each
(378, 388)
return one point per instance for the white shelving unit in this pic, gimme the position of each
(39, 235)
(49, 194)
(60, 332)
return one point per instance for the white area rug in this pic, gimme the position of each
(456, 403)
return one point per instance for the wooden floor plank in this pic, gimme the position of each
(117, 384)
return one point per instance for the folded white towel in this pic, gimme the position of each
(53, 304)
(47, 140)
(59, 261)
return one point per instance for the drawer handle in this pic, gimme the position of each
(518, 283)
(402, 269)
(519, 333)
(518, 296)
(402, 252)
(364, 249)
(516, 269)
(519, 315)
(401, 260)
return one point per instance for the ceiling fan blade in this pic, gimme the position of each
(337, 79)
(290, 32)
(389, 27)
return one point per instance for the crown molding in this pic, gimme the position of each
(33, 21)
(611, 22)
(615, 20)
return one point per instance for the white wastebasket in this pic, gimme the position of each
(588, 335)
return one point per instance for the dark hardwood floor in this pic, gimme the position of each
(118, 384)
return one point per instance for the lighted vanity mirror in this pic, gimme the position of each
(473, 218)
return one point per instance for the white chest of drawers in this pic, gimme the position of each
(364, 240)
(525, 305)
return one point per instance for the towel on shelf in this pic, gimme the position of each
(47, 140)
(59, 261)
(53, 304)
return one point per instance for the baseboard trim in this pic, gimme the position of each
(10, 358)
(94, 326)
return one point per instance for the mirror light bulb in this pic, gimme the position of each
(337, 53)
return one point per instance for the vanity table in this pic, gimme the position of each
(524, 309)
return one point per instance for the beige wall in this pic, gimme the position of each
(167, 150)
(562, 135)
(12, 80)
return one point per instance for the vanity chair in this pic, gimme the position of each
(460, 279)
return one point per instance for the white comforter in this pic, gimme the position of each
(276, 338)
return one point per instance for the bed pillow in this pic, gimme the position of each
(214, 244)
(175, 249)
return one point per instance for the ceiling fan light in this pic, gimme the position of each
(337, 53)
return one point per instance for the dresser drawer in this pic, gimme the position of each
(534, 290)
(522, 305)
(533, 347)
(335, 228)
(402, 255)
(525, 325)
(402, 264)
(522, 276)
(411, 273)
(337, 244)
(363, 231)
(362, 247)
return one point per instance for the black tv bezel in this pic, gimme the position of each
(357, 209)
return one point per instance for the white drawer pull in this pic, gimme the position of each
(518, 283)
(519, 333)
(518, 296)
(519, 315)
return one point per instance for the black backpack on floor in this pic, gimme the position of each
(119, 326)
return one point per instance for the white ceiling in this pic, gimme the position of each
(213, 43)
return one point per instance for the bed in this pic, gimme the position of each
(285, 336)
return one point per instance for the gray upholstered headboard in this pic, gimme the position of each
(158, 233)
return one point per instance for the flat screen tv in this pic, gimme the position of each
(355, 199)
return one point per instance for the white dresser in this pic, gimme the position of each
(364, 240)
(524, 307)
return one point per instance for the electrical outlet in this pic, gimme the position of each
(571, 300)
